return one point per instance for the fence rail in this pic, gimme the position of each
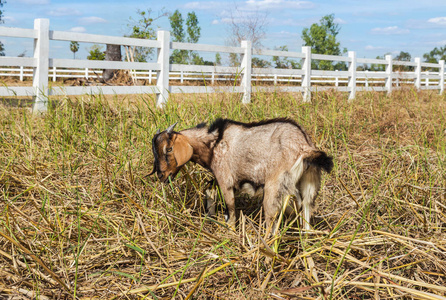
(162, 76)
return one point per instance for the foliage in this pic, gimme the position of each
(191, 35)
(403, 56)
(322, 38)
(2, 2)
(74, 47)
(217, 59)
(435, 55)
(260, 63)
(285, 62)
(2, 46)
(142, 28)
(96, 53)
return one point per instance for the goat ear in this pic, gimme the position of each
(182, 150)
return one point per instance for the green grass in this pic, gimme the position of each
(79, 217)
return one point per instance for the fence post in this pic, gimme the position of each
(366, 79)
(213, 77)
(150, 76)
(352, 75)
(336, 78)
(418, 73)
(247, 71)
(389, 77)
(427, 78)
(40, 71)
(54, 74)
(21, 73)
(441, 70)
(86, 73)
(306, 77)
(162, 78)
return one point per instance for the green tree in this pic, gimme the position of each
(435, 55)
(284, 62)
(260, 63)
(176, 23)
(96, 53)
(2, 46)
(217, 59)
(193, 29)
(403, 56)
(191, 35)
(322, 38)
(74, 47)
(378, 67)
(142, 29)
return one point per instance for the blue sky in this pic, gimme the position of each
(369, 27)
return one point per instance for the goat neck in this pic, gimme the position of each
(202, 143)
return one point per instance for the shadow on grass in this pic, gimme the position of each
(17, 102)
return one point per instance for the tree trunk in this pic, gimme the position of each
(113, 53)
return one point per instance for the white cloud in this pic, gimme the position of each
(92, 20)
(79, 29)
(284, 34)
(34, 2)
(340, 21)
(391, 30)
(9, 20)
(63, 11)
(438, 21)
(370, 47)
(205, 5)
(215, 22)
(280, 4)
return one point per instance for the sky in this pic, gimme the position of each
(370, 28)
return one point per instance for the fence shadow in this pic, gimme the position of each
(17, 102)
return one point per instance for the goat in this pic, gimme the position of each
(274, 155)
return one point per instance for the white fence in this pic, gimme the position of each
(304, 80)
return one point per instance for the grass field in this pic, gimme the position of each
(80, 219)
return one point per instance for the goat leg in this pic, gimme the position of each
(228, 195)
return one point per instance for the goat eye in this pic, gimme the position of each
(169, 149)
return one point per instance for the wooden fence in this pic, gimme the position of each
(249, 79)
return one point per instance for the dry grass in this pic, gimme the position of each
(79, 218)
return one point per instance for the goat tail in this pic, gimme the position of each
(320, 160)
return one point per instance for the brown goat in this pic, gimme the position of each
(274, 155)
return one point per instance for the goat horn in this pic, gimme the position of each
(171, 127)
(157, 131)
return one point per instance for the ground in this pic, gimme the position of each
(81, 219)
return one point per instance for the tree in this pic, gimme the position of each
(378, 67)
(96, 53)
(2, 47)
(403, 56)
(74, 47)
(217, 59)
(142, 29)
(435, 55)
(192, 35)
(285, 63)
(245, 26)
(260, 63)
(113, 53)
(322, 40)
(176, 23)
